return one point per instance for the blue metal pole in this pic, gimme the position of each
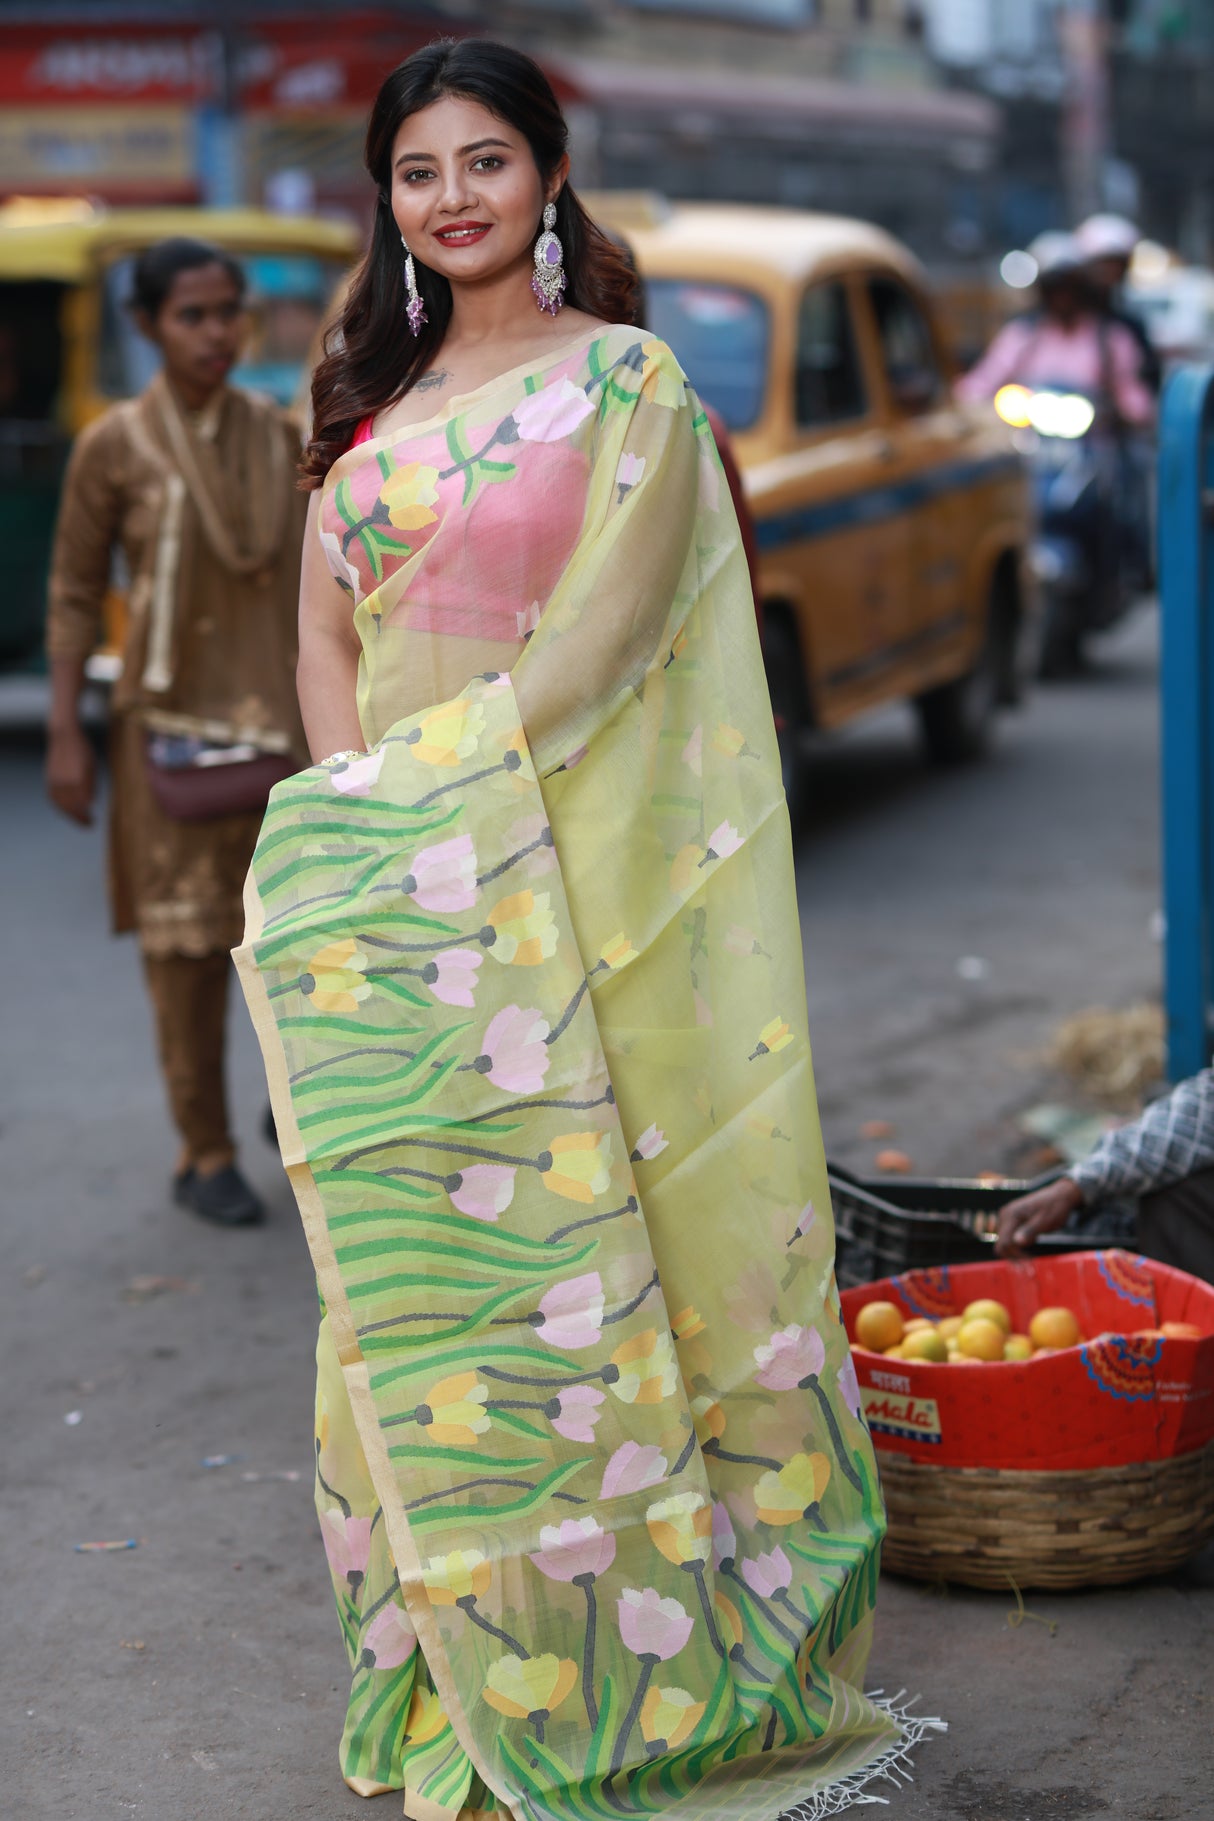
(1186, 581)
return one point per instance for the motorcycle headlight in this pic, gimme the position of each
(1065, 414)
(1012, 404)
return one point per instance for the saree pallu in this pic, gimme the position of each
(600, 1508)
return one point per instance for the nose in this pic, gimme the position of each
(456, 189)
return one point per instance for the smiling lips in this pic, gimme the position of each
(462, 234)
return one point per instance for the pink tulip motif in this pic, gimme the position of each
(356, 777)
(651, 1626)
(525, 833)
(528, 620)
(768, 1574)
(552, 413)
(442, 878)
(389, 1640)
(723, 841)
(654, 1630)
(805, 1221)
(451, 976)
(578, 1412)
(692, 754)
(514, 1054)
(634, 1467)
(790, 1357)
(485, 1190)
(849, 1384)
(573, 1548)
(570, 1315)
(724, 1537)
(347, 1542)
(650, 1144)
(630, 470)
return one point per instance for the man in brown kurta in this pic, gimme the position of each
(197, 515)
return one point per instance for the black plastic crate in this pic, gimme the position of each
(886, 1226)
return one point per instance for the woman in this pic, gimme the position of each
(191, 488)
(599, 1506)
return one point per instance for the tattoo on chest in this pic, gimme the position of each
(430, 382)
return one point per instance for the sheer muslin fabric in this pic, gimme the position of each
(600, 1509)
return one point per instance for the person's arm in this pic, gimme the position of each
(1173, 1139)
(329, 650)
(90, 516)
(999, 366)
(1131, 396)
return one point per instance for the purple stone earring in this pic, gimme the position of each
(415, 309)
(548, 281)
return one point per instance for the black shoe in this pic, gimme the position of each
(223, 1198)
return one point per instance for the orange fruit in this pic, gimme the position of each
(879, 1325)
(1017, 1347)
(1181, 1330)
(917, 1324)
(925, 1344)
(894, 1353)
(987, 1309)
(1054, 1328)
(981, 1339)
(950, 1327)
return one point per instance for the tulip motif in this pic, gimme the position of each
(333, 980)
(669, 1716)
(442, 878)
(790, 1358)
(514, 1053)
(448, 734)
(650, 1626)
(389, 1639)
(649, 1145)
(451, 976)
(768, 1574)
(570, 1315)
(632, 1468)
(579, 1167)
(574, 1548)
(646, 1367)
(577, 1412)
(453, 1414)
(463, 1575)
(681, 1527)
(774, 1036)
(524, 929)
(529, 1688)
(786, 1496)
(347, 1542)
(484, 1190)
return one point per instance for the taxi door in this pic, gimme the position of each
(933, 471)
(846, 538)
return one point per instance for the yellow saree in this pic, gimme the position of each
(600, 1509)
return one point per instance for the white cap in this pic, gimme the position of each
(1056, 253)
(1107, 237)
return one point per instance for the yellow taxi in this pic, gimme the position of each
(893, 522)
(69, 348)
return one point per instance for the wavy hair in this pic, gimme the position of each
(370, 359)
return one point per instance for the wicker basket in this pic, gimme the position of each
(990, 1527)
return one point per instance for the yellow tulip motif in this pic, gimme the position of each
(333, 980)
(775, 1036)
(524, 928)
(647, 1369)
(668, 1717)
(581, 1165)
(409, 493)
(783, 1498)
(709, 1419)
(529, 1688)
(463, 1575)
(618, 952)
(681, 1526)
(452, 1414)
(447, 735)
(426, 1717)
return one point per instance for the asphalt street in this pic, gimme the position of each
(200, 1675)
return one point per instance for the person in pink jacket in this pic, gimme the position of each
(1066, 342)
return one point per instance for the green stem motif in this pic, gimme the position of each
(586, 1583)
(649, 1663)
(841, 1454)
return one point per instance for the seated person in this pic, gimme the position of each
(1165, 1160)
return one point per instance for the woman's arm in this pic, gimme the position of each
(89, 521)
(329, 649)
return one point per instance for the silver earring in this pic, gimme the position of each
(548, 280)
(415, 309)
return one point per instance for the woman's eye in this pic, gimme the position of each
(490, 161)
(410, 175)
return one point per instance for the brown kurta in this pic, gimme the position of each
(203, 516)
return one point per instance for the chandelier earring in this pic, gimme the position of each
(548, 281)
(415, 309)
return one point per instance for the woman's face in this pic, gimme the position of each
(199, 328)
(466, 194)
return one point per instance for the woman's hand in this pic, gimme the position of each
(1024, 1220)
(71, 772)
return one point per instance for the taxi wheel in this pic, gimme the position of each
(957, 718)
(789, 704)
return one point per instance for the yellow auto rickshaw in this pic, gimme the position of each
(69, 349)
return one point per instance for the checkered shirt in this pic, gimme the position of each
(1174, 1138)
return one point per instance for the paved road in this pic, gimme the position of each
(200, 1675)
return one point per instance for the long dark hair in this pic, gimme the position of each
(370, 358)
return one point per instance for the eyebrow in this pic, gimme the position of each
(478, 145)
